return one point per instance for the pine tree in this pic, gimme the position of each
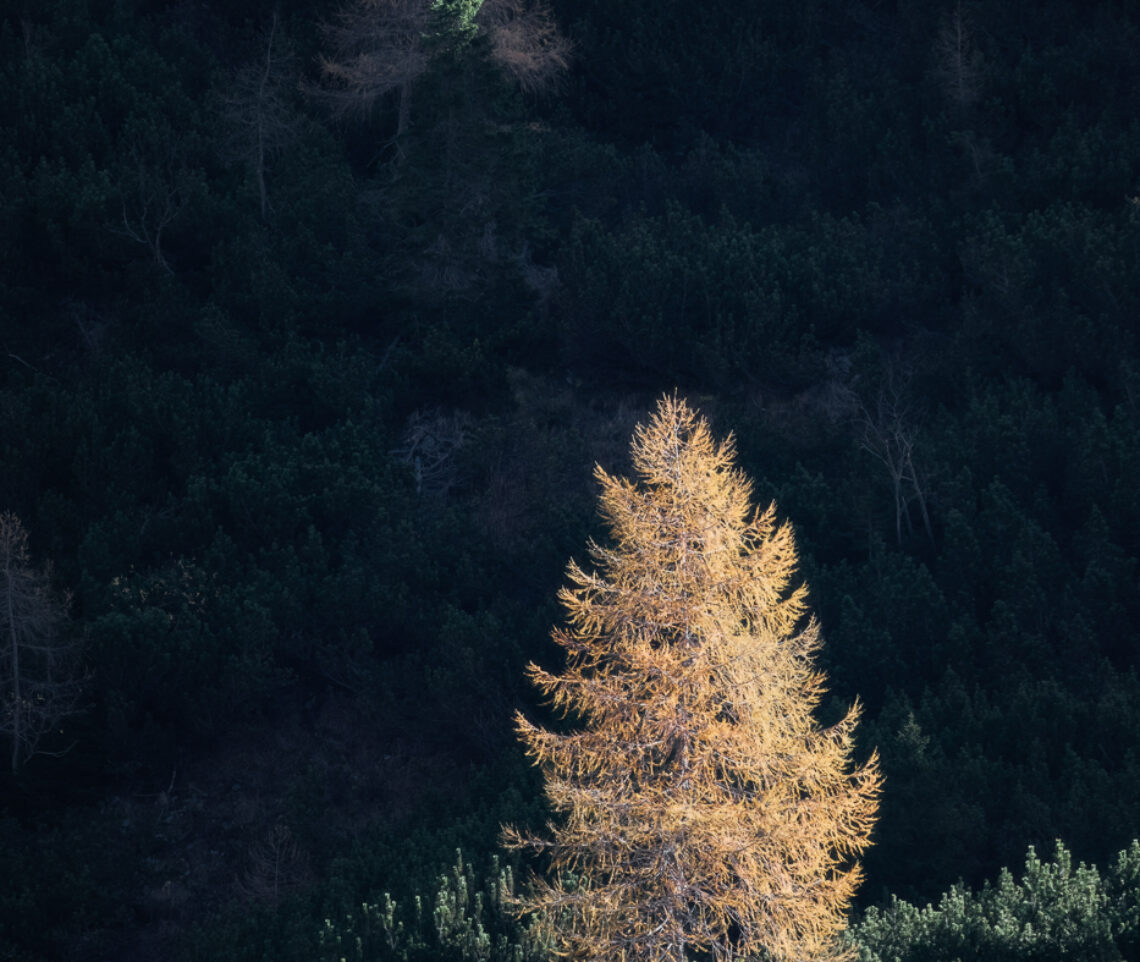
(705, 814)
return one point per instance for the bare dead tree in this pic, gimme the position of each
(958, 63)
(380, 48)
(90, 324)
(885, 429)
(377, 51)
(430, 445)
(39, 680)
(258, 112)
(526, 43)
(277, 865)
(151, 200)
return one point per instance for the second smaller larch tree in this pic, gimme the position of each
(704, 812)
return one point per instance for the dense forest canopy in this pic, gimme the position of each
(304, 369)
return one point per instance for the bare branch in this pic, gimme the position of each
(377, 50)
(430, 445)
(150, 202)
(39, 680)
(886, 430)
(257, 109)
(277, 866)
(526, 43)
(958, 63)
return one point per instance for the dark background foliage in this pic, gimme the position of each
(311, 469)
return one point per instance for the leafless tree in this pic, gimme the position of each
(377, 51)
(151, 199)
(257, 109)
(885, 428)
(430, 445)
(277, 865)
(958, 63)
(526, 43)
(39, 680)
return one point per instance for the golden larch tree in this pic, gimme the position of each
(705, 813)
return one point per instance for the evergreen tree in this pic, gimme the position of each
(1054, 912)
(706, 813)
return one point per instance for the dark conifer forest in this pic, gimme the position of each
(315, 317)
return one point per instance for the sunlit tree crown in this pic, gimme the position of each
(704, 812)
